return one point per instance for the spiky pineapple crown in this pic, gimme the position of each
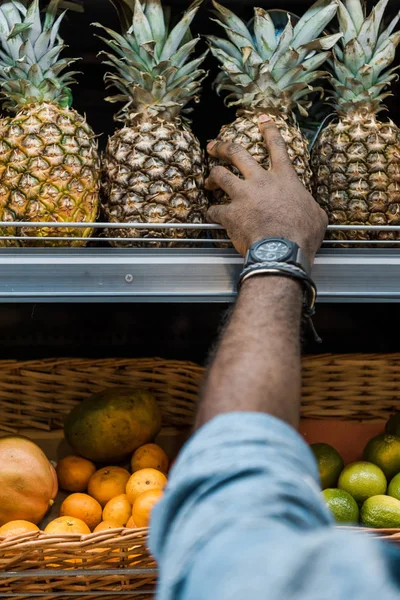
(362, 57)
(30, 68)
(261, 68)
(150, 61)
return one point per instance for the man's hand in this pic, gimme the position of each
(265, 203)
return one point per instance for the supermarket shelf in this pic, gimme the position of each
(181, 275)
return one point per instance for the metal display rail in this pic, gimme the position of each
(370, 273)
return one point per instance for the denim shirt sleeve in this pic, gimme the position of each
(242, 518)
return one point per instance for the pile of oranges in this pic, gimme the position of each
(106, 498)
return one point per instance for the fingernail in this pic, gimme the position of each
(264, 119)
(211, 145)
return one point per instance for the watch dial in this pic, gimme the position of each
(272, 251)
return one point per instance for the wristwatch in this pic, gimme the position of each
(279, 256)
(277, 249)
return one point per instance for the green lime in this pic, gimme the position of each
(394, 487)
(393, 424)
(384, 451)
(343, 506)
(330, 464)
(381, 512)
(362, 480)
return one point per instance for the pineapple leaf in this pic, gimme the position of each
(33, 18)
(176, 35)
(325, 43)
(181, 56)
(140, 26)
(369, 31)
(17, 29)
(386, 55)
(225, 45)
(388, 31)
(285, 42)
(227, 63)
(354, 57)
(312, 24)
(265, 34)
(155, 16)
(232, 21)
(191, 66)
(346, 25)
(356, 12)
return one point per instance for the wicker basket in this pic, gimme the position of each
(35, 397)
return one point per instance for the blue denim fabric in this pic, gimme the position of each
(242, 519)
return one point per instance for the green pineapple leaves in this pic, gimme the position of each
(263, 68)
(150, 61)
(30, 67)
(363, 56)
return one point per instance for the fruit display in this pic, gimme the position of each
(271, 73)
(92, 498)
(113, 498)
(49, 164)
(356, 160)
(154, 167)
(366, 491)
(92, 425)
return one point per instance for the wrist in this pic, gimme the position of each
(275, 285)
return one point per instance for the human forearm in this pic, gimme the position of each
(257, 365)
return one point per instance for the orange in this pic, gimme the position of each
(17, 527)
(144, 480)
(149, 456)
(118, 509)
(104, 525)
(63, 525)
(143, 506)
(83, 507)
(107, 483)
(74, 472)
(131, 523)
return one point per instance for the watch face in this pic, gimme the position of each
(273, 250)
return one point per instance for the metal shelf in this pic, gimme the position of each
(180, 275)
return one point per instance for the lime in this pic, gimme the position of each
(330, 464)
(343, 506)
(381, 512)
(394, 487)
(393, 424)
(384, 451)
(362, 480)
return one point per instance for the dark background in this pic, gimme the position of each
(184, 331)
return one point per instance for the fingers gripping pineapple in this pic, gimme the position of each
(153, 166)
(356, 160)
(265, 73)
(49, 167)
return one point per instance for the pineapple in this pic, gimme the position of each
(153, 166)
(271, 74)
(356, 159)
(49, 165)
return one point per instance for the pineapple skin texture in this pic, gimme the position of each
(49, 171)
(356, 164)
(245, 131)
(154, 172)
